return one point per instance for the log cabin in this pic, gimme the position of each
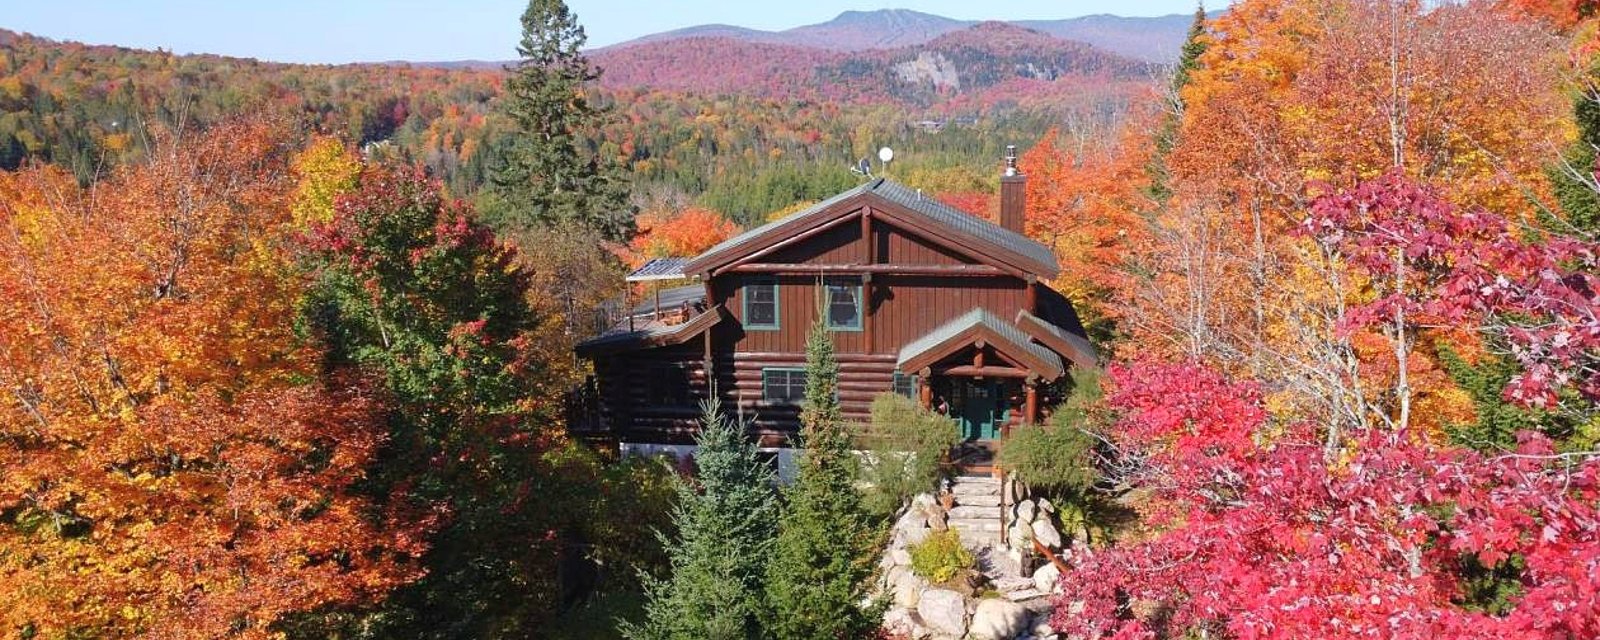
(921, 299)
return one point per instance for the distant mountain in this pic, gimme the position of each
(1145, 39)
(965, 62)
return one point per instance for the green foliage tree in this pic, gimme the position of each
(821, 564)
(906, 446)
(413, 289)
(551, 170)
(725, 528)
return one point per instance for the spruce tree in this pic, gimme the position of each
(1194, 46)
(821, 565)
(549, 170)
(725, 530)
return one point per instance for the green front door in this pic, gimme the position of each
(979, 411)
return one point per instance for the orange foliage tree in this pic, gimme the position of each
(687, 232)
(175, 463)
(1292, 97)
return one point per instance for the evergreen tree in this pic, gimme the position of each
(821, 564)
(1580, 204)
(725, 529)
(550, 170)
(1167, 135)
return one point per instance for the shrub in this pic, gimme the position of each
(1057, 458)
(906, 446)
(940, 557)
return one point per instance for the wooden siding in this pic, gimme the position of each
(897, 246)
(898, 308)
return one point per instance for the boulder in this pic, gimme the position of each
(1047, 578)
(917, 535)
(936, 520)
(1020, 536)
(1026, 511)
(943, 611)
(1045, 506)
(922, 501)
(900, 557)
(905, 586)
(1046, 533)
(903, 623)
(998, 619)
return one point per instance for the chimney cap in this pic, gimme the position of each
(1011, 160)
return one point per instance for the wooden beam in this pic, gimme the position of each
(797, 268)
(987, 372)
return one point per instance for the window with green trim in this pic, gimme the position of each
(783, 385)
(761, 304)
(905, 384)
(844, 305)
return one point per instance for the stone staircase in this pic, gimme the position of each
(976, 514)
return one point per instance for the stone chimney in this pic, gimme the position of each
(1013, 193)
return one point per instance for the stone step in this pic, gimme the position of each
(976, 479)
(1025, 595)
(976, 512)
(987, 526)
(975, 489)
(978, 501)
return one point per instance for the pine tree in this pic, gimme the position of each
(725, 528)
(550, 170)
(822, 562)
(1167, 136)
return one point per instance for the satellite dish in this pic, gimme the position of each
(886, 154)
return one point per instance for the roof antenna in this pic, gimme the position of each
(863, 168)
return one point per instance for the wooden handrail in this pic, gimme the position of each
(1061, 565)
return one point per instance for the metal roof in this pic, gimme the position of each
(655, 335)
(671, 298)
(966, 223)
(807, 212)
(659, 269)
(1015, 338)
(954, 221)
(1077, 348)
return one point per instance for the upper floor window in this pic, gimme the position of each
(761, 304)
(844, 306)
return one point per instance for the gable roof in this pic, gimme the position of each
(986, 238)
(979, 322)
(1075, 347)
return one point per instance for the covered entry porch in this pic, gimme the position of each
(983, 372)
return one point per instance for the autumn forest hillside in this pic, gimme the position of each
(742, 128)
(287, 351)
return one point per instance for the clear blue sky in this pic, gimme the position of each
(437, 30)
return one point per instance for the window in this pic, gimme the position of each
(844, 306)
(905, 384)
(783, 385)
(761, 304)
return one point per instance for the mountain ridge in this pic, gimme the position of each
(1148, 39)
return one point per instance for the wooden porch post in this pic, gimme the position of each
(1030, 403)
(925, 389)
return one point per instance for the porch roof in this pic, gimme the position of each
(978, 324)
(655, 335)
